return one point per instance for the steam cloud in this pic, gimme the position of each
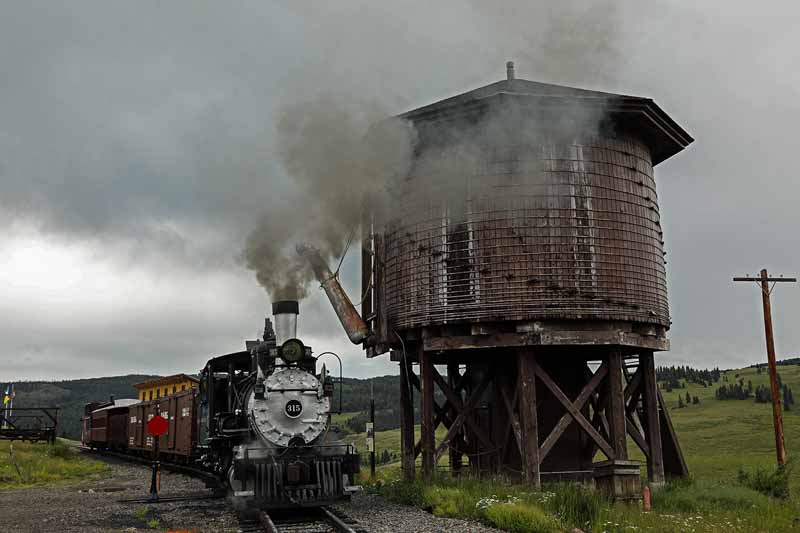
(152, 157)
(338, 155)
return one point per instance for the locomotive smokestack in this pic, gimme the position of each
(352, 323)
(285, 313)
(510, 70)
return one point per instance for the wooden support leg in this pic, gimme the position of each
(655, 462)
(528, 417)
(615, 410)
(455, 451)
(474, 443)
(407, 420)
(427, 429)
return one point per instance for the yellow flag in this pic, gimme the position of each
(6, 399)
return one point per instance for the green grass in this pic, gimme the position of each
(718, 438)
(521, 518)
(501, 504)
(42, 464)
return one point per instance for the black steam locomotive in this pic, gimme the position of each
(260, 421)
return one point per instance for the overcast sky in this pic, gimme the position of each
(137, 151)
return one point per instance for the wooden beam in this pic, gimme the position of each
(674, 462)
(441, 416)
(453, 379)
(456, 403)
(655, 459)
(415, 381)
(569, 416)
(637, 437)
(516, 428)
(407, 452)
(554, 338)
(427, 429)
(528, 407)
(463, 416)
(634, 384)
(576, 414)
(615, 408)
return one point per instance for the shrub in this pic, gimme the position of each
(774, 483)
(521, 518)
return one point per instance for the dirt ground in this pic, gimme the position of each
(95, 506)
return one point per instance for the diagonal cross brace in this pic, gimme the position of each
(442, 413)
(516, 428)
(463, 417)
(568, 417)
(633, 392)
(456, 403)
(573, 411)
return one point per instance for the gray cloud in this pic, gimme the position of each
(146, 134)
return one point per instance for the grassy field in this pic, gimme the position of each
(718, 437)
(42, 464)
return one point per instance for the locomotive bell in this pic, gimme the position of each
(285, 313)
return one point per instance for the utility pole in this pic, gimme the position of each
(764, 280)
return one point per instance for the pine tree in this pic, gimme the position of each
(680, 402)
(696, 400)
(688, 398)
(749, 386)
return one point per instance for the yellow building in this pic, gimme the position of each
(158, 388)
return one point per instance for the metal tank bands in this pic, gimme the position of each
(547, 231)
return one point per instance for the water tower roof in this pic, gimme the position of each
(642, 116)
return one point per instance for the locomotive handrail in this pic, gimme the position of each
(341, 379)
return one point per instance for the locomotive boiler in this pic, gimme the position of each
(265, 419)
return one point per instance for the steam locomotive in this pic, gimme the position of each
(260, 422)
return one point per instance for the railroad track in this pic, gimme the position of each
(307, 520)
(210, 479)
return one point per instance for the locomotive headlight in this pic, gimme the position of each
(292, 351)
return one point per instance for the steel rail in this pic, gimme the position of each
(204, 475)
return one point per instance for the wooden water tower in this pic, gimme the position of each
(521, 272)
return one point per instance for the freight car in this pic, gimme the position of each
(259, 422)
(106, 426)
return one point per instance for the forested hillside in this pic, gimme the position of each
(72, 395)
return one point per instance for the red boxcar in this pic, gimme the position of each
(179, 411)
(181, 436)
(106, 427)
(138, 416)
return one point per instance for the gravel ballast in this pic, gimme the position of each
(376, 515)
(94, 506)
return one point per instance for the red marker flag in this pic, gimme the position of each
(157, 425)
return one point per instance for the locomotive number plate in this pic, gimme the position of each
(293, 408)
